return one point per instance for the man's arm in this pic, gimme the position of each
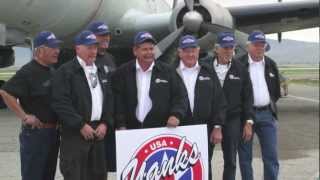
(62, 103)
(106, 118)
(118, 89)
(247, 106)
(179, 101)
(247, 97)
(219, 107)
(219, 104)
(277, 87)
(12, 103)
(18, 86)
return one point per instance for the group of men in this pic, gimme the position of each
(77, 108)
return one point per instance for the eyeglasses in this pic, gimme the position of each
(93, 79)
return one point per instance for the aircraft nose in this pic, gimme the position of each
(192, 21)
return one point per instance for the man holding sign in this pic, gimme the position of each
(148, 93)
(206, 100)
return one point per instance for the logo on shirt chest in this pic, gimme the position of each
(271, 75)
(158, 80)
(231, 76)
(204, 78)
(104, 80)
(46, 83)
(106, 69)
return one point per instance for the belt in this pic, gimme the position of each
(261, 108)
(49, 125)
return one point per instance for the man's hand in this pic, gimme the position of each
(101, 131)
(216, 136)
(32, 120)
(87, 132)
(247, 132)
(173, 122)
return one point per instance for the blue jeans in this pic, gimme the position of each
(38, 153)
(266, 129)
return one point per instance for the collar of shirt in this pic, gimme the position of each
(221, 66)
(36, 62)
(138, 67)
(183, 67)
(91, 69)
(255, 62)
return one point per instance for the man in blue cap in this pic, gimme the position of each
(31, 85)
(207, 103)
(235, 82)
(105, 60)
(103, 34)
(83, 101)
(148, 93)
(264, 76)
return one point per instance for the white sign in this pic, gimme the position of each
(163, 153)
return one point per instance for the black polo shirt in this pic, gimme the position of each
(32, 85)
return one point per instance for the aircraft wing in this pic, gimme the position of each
(276, 17)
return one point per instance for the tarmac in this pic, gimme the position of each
(298, 140)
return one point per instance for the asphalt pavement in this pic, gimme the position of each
(298, 140)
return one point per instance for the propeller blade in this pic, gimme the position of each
(167, 41)
(175, 2)
(207, 43)
(189, 4)
(215, 28)
(241, 40)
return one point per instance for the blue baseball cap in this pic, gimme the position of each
(142, 37)
(257, 36)
(188, 41)
(86, 38)
(46, 38)
(99, 28)
(226, 39)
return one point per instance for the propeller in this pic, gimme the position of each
(193, 23)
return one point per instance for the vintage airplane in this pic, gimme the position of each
(20, 20)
